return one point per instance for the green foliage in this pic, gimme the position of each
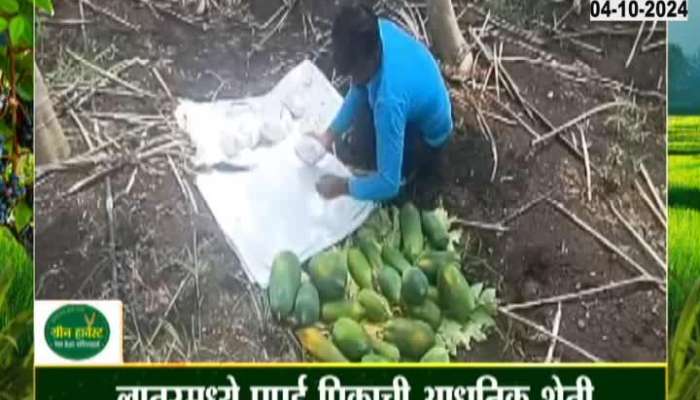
(16, 180)
(16, 302)
(684, 211)
(684, 355)
(16, 114)
(684, 258)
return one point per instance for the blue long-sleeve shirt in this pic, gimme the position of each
(406, 89)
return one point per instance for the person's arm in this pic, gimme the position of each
(390, 124)
(343, 119)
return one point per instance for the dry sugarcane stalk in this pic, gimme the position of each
(578, 119)
(569, 145)
(109, 209)
(487, 131)
(650, 204)
(605, 241)
(112, 15)
(555, 332)
(636, 43)
(580, 294)
(638, 237)
(162, 83)
(652, 30)
(653, 46)
(499, 118)
(109, 75)
(654, 192)
(180, 183)
(584, 147)
(498, 227)
(544, 330)
(81, 128)
(524, 124)
(524, 208)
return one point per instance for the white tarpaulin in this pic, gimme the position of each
(272, 206)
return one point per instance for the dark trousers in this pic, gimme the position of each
(358, 148)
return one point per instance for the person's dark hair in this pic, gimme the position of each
(355, 37)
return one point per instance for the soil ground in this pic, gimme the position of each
(543, 254)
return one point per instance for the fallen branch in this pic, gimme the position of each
(483, 225)
(587, 162)
(521, 210)
(638, 237)
(112, 16)
(660, 218)
(580, 294)
(636, 43)
(109, 75)
(544, 330)
(555, 333)
(654, 192)
(578, 119)
(605, 241)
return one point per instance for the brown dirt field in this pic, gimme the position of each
(220, 317)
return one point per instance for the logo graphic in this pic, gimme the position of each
(77, 331)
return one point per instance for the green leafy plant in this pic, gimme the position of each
(684, 356)
(16, 306)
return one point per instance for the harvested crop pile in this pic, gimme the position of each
(392, 292)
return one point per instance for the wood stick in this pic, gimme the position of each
(81, 128)
(579, 294)
(555, 332)
(603, 240)
(483, 225)
(162, 82)
(636, 43)
(584, 147)
(519, 211)
(112, 16)
(650, 204)
(661, 205)
(652, 30)
(109, 75)
(494, 151)
(638, 237)
(578, 119)
(544, 330)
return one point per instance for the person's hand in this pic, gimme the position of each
(332, 186)
(325, 138)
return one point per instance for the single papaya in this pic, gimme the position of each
(389, 282)
(386, 350)
(328, 272)
(371, 250)
(307, 307)
(413, 338)
(374, 358)
(320, 347)
(284, 283)
(351, 338)
(395, 259)
(376, 307)
(455, 293)
(331, 311)
(414, 286)
(360, 269)
(435, 229)
(428, 312)
(411, 231)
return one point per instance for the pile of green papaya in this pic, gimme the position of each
(383, 295)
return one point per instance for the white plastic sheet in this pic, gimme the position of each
(274, 205)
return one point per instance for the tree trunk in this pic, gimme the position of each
(447, 39)
(51, 144)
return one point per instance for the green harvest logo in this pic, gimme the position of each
(77, 331)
